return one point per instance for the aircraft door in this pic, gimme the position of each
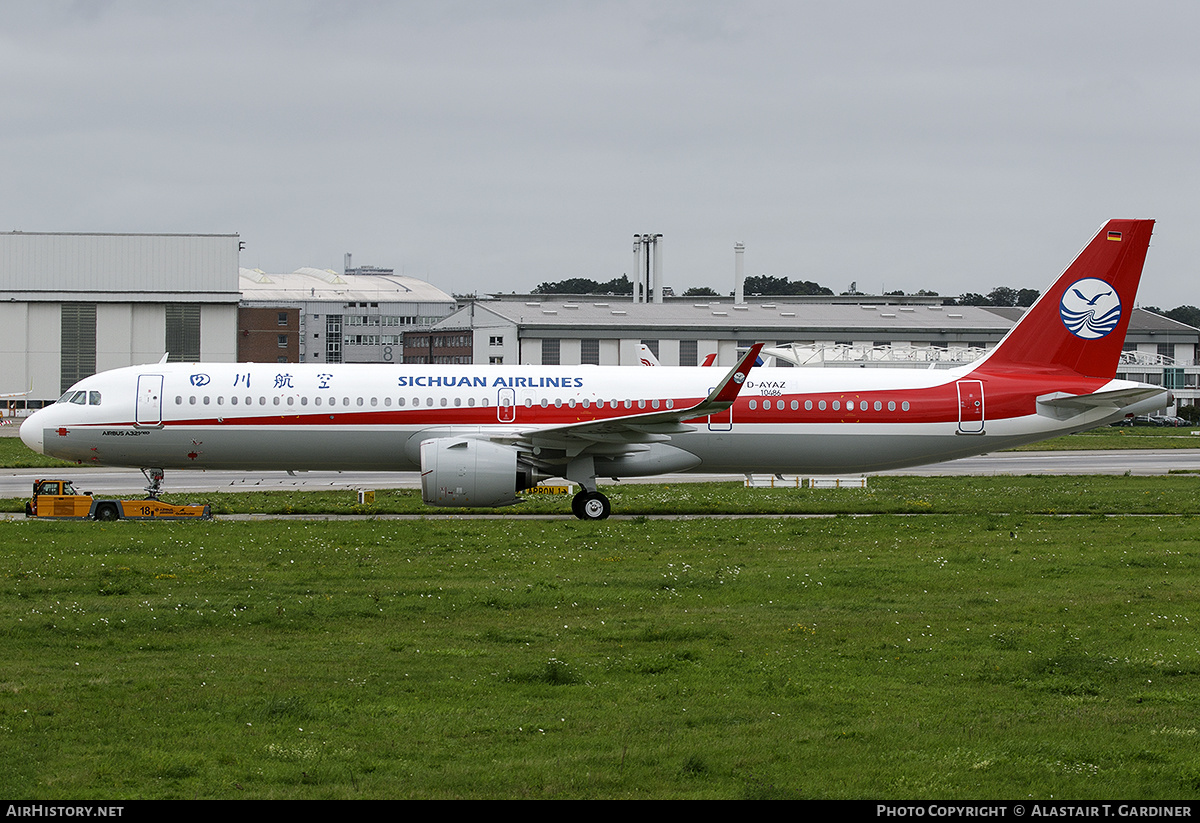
(722, 421)
(506, 406)
(970, 407)
(148, 409)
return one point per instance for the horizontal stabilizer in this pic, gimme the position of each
(1063, 406)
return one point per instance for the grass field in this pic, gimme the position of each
(949, 656)
(883, 495)
(1036, 646)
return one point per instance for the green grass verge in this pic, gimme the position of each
(944, 656)
(1120, 437)
(1160, 494)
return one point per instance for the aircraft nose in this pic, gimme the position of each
(31, 432)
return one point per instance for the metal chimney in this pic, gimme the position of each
(647, 259)
(739, 279)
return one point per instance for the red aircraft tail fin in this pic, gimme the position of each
(1079, 323)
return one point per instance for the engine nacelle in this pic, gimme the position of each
(463, 471)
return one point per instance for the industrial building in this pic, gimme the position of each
(320, 316)
(75, 304)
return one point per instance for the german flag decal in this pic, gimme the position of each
(1114, 235)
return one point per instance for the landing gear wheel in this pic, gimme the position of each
(590, 506)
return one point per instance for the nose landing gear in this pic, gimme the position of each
(154, 480)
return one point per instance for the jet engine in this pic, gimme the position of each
(463, 471)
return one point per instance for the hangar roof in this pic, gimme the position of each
(777, 319)
(308, 284)
(63, 266)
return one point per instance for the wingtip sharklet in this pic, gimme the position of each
(729, 388)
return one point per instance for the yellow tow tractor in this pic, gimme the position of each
(59, 499)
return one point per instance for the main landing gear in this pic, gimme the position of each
(590, 505)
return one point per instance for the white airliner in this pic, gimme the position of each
(481, 434)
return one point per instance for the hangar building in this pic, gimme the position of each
(74, 304)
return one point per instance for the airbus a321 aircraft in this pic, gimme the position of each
(481, 434)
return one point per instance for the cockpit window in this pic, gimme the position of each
(81, 398)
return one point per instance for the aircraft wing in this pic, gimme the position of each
(628, 433)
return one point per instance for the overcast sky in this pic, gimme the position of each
(490, 146)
